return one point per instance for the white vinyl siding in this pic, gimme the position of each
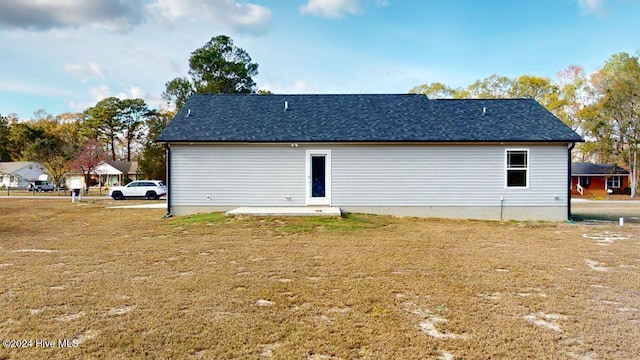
(443, 175)
(237, 175)
(365, 175)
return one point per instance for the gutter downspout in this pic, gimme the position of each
(168, 172)
(569, 188)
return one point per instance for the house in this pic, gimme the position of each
(108, 173)
(403, 154)
(589, 179)
(18, 174)
(117, 172)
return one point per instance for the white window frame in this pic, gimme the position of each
(527, 169)
(618, 181)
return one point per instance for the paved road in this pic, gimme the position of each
(52, 197)
(628, 202)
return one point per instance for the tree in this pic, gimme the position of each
(538, 88)
(491, 87)
(57, 146)
(619, 85)
(178, 92)
(436, 90)
(217, 67)
(54, 155)
(22, 135)
(152, 163)
(5, 153)
(573, 92)
(102, 122)
(132, 113)
(87, 159)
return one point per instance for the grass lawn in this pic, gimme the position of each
(126, 284)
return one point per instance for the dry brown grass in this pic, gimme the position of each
(127, 284)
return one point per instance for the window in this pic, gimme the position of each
(613, 182)
(584, 181)
(517, 175)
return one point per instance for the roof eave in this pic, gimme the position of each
(436, 141)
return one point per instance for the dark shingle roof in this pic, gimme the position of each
(588, 168)
(362, 118)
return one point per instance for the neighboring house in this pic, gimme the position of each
(108, 173)
(387, 154)
(117, 172)
(589, 179)
(19, 174)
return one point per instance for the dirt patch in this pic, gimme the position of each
(548, 321)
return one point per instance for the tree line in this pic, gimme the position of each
(603, 107)
(113, 129)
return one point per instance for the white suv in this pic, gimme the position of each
(148, 189)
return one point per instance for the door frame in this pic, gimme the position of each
(326, 200)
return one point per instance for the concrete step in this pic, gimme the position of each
(287, 211)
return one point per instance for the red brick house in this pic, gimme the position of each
(589, 179)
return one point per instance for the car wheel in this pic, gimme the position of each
(150, 195)
(39, 190)
(117, 195)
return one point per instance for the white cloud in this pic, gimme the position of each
(330, 8)
(84, 73)
(103, 91)
(137, 92)
(100, 92)
(239, 17)
(96, 70)
(97, 94)
(595, 7)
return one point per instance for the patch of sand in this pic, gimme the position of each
(267, 349)
(119, 310)
(87, 335)
(605, 238)
(544, 320)
(429, 327)
(445, 355)
(67, 318)
(596, 265)
(33, 251)
(262, 302)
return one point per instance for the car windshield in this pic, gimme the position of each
(160, 183)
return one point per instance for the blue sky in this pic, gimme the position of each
(65, 55)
